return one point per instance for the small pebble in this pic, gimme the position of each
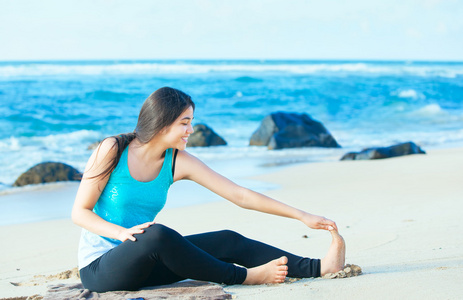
(348, 271)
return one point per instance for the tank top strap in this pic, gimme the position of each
(168, 165)
(174, 159)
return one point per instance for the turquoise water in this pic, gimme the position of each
(51, 111)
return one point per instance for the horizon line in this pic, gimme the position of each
(231, 59)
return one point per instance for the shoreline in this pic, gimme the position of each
(399, 217)
(182, 193)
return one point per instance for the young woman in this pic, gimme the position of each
(125, 185)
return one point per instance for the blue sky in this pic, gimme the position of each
(237, 29)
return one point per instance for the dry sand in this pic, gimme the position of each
(400, 217)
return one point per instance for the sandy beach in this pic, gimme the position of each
(400, 218)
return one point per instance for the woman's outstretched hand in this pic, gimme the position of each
(128, 233)
(318, 222)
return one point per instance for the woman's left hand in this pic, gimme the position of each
(318, 222)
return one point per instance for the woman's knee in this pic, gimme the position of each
(156, 233)
(231, 237)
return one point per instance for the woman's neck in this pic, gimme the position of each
(149, 152)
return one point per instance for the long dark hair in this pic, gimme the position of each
(159, 111)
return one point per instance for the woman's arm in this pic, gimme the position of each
(189, 167)
(90, 190)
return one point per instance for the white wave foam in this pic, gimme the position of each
(11, 144)
(71, 138)
(53, 69)
(56, 141)
(408, 94)
(429, 110)
(424, 139)
(223, 153)
(21, 153)
(153, 68)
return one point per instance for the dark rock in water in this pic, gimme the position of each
(291, 130)
(384, 152)
(204, 136)
(48, 172)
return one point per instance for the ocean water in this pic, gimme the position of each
(52, 111)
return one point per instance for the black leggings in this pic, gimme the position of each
(162, 256)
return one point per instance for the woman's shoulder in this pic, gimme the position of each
(101, 157)
(108, 144)
(183, 154)
(106, 150)
(187, 165)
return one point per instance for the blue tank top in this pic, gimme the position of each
(126, 202)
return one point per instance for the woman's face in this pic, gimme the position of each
(177, 134)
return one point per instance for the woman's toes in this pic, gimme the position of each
(282, 268)
(283, 260)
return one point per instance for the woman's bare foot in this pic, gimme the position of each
(335, 258)
(274, 271)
